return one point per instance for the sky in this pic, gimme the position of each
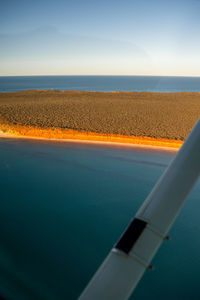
(104, 37)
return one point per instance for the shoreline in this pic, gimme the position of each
(59, 135)
(99, 91)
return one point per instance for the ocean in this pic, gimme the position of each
(64, 205)
(101, 83)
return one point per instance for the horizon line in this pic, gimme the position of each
(91, 75)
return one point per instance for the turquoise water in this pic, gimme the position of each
(101, 83)
(64, 205)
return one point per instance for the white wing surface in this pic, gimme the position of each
(126, 263)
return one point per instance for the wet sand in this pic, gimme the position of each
(151, 119)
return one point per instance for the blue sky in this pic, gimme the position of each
(91, 37)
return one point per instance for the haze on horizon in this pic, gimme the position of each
(93, 37)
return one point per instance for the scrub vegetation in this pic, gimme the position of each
(156, 115)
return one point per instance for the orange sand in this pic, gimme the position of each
(66, 134)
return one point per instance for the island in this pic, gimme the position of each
(154, 119)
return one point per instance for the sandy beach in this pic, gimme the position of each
(153, 146)
(144, 119)
(78, 137)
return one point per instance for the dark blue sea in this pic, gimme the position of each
(101, 83)
(64, 205)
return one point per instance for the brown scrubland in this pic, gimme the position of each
(156, 115)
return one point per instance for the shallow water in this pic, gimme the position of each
(64, 205)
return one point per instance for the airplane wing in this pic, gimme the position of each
(124, 266)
